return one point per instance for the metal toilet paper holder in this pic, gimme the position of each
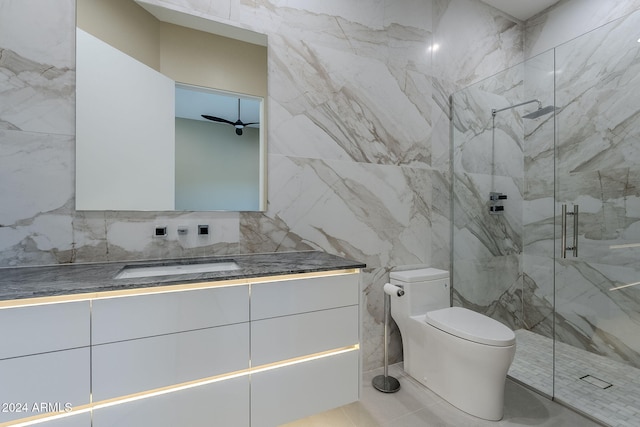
(385, 383)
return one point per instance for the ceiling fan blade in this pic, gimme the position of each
(217, 119)
(238, 124)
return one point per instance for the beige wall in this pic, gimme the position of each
(124, 25)
(183, 54)
(204, 59)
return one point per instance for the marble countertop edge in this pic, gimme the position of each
(68, 279)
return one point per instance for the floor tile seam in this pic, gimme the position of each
(391, 399)
(346, 415)
(425, 397)
(392, 422)
(430, 397)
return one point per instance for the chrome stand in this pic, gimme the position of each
(385, 383)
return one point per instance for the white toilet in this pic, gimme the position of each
(461, 355)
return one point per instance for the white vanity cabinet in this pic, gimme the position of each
(224, 403)
(158, 344)
(79, 420)
(44, 359)
(313, 325)
(303, 389)
(246, 352)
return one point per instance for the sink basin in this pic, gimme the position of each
(132, 272)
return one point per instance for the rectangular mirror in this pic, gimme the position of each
(144, 87)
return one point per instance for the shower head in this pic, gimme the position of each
(540, 112)
(494, 111)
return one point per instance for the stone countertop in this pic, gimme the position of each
(66, 279)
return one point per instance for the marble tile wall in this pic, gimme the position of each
(596, 92)
(358, 153)
(488, 157)
(569, 19)
(597, 157)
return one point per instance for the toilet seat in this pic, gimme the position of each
(471, 326)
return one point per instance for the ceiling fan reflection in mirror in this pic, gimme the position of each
(238, 124)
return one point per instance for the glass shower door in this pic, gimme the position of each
(534, 350)
(503, 209)
(597, 189)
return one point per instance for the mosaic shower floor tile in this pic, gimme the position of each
(597, 386)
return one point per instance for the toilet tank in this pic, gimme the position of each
(426, 289)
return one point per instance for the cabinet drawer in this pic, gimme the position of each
(286, 337)
(224, 403)
(296, 391)
(274, 299)
(118, 319)
(44, 328)
(79, 420)
(145, 364)
(54, 378)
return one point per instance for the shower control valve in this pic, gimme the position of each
(495, 200)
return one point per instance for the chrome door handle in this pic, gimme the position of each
(563, 237)
(575, 230)
(566, 248)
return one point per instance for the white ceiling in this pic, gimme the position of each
(521, 9)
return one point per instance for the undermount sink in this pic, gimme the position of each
(132, 272)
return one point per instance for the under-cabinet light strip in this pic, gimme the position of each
(60, 299)
(625, 246)
(24, 422)
(628, 285)
(302, 359)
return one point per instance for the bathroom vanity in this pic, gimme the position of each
(266, 339)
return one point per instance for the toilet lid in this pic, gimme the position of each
(419, 275)
(471, 326)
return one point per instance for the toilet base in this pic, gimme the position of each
(468, 375)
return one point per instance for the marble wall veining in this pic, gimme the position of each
(488, 157)
(598, 136)
(509, 266)
(569, 19)
(358, 154)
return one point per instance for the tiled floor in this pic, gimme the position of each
(415, 405)
(610, 393)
